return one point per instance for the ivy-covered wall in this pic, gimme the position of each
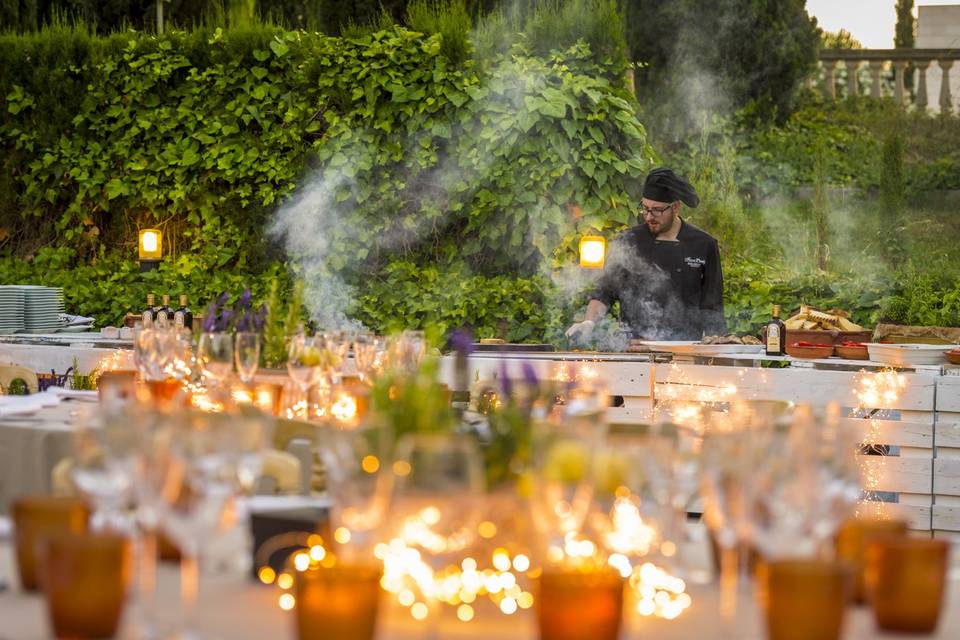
(477, 175)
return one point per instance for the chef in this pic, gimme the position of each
(665, 273)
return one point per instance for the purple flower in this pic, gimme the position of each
(530, 374)
(461, 341)
(210, 319)
(244, 301)
(505, 384)
(222, 299)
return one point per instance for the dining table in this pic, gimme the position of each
(235, 606)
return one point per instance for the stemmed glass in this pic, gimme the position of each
(200, 480)
(247, 355)
(369, 354)
(215, 355)
(360, 479)
(303, 363)
(734, 443)
(437, 503)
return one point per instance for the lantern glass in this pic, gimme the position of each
(593, 251)
(151, 244)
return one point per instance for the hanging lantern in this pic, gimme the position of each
(593, 250)
(150, 248)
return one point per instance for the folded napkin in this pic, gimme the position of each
(76, 321)
(70, 394)
(25, 405)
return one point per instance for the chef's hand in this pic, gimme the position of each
(581, 331)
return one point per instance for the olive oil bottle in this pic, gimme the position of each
(775, 334)
(183, 316)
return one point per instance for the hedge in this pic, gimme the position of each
(400, 158)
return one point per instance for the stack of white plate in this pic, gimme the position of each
(11, 309)
(42, 309)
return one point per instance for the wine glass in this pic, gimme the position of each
(369, 352)
(360, 480)
(437, 506)
(247, 355)
(200, 480)
(146, 354)
(105, 450)
(215, 355)
(735, 442)
(303, 363)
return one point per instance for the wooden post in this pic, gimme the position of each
(899, 71)
(946, 100)
(875, 67)
(922, 99)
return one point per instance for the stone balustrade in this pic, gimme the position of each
(900, 61)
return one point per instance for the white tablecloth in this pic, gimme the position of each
(30, 446)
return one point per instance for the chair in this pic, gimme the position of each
(10, 372)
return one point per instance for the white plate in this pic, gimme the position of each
(688, 347)
(908, 354)
(84, 328)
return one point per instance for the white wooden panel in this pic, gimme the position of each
(892, 432)
(907, 475)
(946, 476)
(946, 518)
(948, 429)
(948, 393)
(917, 516)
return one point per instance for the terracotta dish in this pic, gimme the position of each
(852, 351)
(953, 356)
(809, 350)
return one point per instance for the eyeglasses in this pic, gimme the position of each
(654, 212)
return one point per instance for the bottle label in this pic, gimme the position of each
(773, 338)
(178, 318)
(148, 317)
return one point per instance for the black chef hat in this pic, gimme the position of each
(663, 185)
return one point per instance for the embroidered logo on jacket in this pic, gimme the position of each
(696, 263)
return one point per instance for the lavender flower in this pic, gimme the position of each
(505, 384)
(210, 318)
(530, 375)
(461, 341)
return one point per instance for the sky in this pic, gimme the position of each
(870, 21)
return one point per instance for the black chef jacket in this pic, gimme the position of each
(667, 290)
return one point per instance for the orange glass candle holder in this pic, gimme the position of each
(852, 540)
(580, 605)
(905, 580)
(85, 579)
(35, 517)
(803, 599)
(339, 602)
(166, 393)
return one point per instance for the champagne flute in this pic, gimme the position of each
(247, 355)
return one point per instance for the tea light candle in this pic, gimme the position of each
(905, 579)
(337, 602)
(852, 540)
(580, 604)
